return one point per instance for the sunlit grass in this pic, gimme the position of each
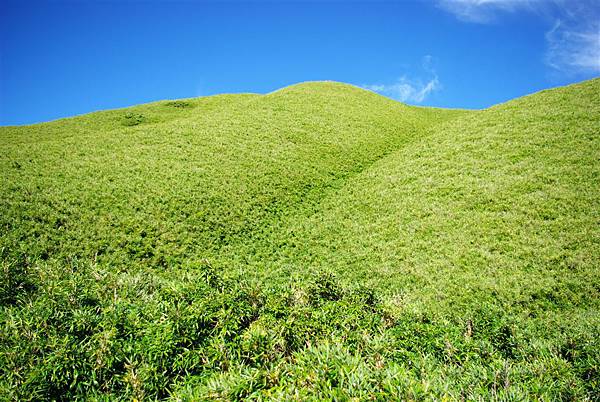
(318, 242)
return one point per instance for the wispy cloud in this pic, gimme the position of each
(406, 90)
(573, 40)
(484, 11)
(412, 90)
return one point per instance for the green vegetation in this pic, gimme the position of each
(318, 242)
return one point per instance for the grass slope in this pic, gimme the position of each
(318, 242)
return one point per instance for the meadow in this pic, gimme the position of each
(320, 242)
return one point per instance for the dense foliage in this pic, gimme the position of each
(318, 242)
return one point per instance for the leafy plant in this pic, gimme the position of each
(133, 119)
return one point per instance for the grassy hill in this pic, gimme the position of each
(317, 242)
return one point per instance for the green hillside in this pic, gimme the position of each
(318, 242)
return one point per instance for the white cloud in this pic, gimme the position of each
(409, 90)
(573, 48)
(484, 11)
(406, 90)
(573, 41)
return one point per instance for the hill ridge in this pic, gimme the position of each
(315, 84)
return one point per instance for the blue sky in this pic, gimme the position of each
(59, 59)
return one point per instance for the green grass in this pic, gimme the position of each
(318, 242)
